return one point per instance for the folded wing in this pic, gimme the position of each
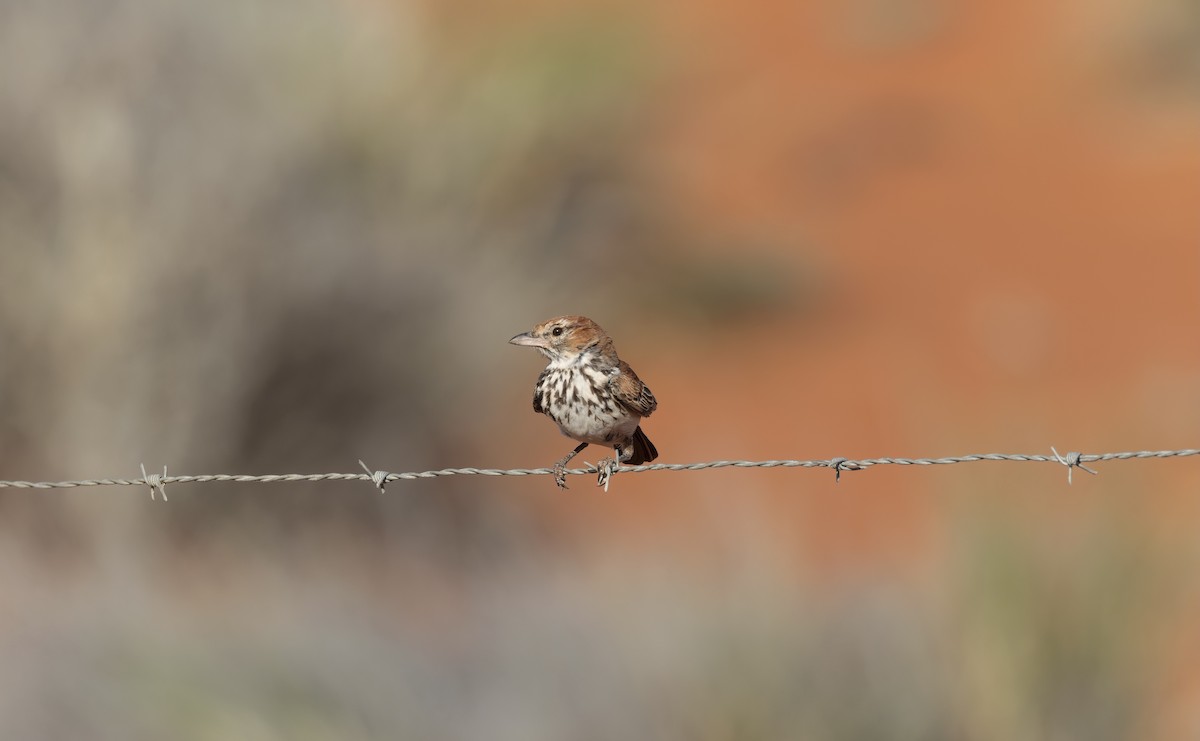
(632, 393)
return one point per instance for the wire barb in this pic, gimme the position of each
(155, 482)
(1072, 460)
(379, 478)
(842, 464)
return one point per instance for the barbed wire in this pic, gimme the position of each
(158, 482)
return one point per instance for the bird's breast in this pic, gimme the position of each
(579, 401)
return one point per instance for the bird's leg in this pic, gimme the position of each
(560, 468)
(608, 466)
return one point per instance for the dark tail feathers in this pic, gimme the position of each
(643, 450)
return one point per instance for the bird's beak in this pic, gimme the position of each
(529, 340)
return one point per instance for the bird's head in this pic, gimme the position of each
(563, 339)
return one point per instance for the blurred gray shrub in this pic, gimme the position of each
(245, 235)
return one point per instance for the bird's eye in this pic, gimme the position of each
(556, 331)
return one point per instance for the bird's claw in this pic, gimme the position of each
(605, 470)
(560, 474)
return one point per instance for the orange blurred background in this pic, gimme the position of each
(257, 237)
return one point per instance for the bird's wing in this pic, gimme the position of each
(632, 393)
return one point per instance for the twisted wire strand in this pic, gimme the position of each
(157, 482)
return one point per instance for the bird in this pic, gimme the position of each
(591, 394)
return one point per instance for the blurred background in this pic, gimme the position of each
(252, 236)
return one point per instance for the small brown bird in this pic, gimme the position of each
(591, 394)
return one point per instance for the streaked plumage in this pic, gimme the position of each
(590, 393)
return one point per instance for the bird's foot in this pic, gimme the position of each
(604, 471)
(560, 474)
(560, 468)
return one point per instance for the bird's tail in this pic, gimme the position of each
(643, 450)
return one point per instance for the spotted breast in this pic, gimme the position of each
(580, 401)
